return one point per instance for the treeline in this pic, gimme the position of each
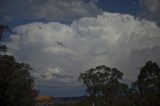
(104, 87)
(103, 84)
(16, 82)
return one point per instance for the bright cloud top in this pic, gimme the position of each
(59, 52)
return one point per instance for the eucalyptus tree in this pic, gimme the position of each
(3, 28)
(149, 83)
(103, 81)
(16, 82)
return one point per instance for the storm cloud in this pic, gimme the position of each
(111, 39)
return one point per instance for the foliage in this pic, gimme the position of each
(3, 48)
(149, 78)
(2, 29)
(16, 83)
(149, 83)
(102, 83)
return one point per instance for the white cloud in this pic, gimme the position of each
(115, 40)
(58, 50)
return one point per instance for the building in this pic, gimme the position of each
(44, 101)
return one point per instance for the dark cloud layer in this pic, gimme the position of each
(57, 10)
(150, 9)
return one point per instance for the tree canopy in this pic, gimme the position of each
(149, 84)
(103, 81)
(149, 78)
(16, 82)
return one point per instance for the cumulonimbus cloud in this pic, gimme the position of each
(112, 39)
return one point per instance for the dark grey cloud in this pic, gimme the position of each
(57, 10)
(150, 9)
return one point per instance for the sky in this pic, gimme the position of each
(62, 38)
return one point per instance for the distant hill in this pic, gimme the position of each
(67, 100)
